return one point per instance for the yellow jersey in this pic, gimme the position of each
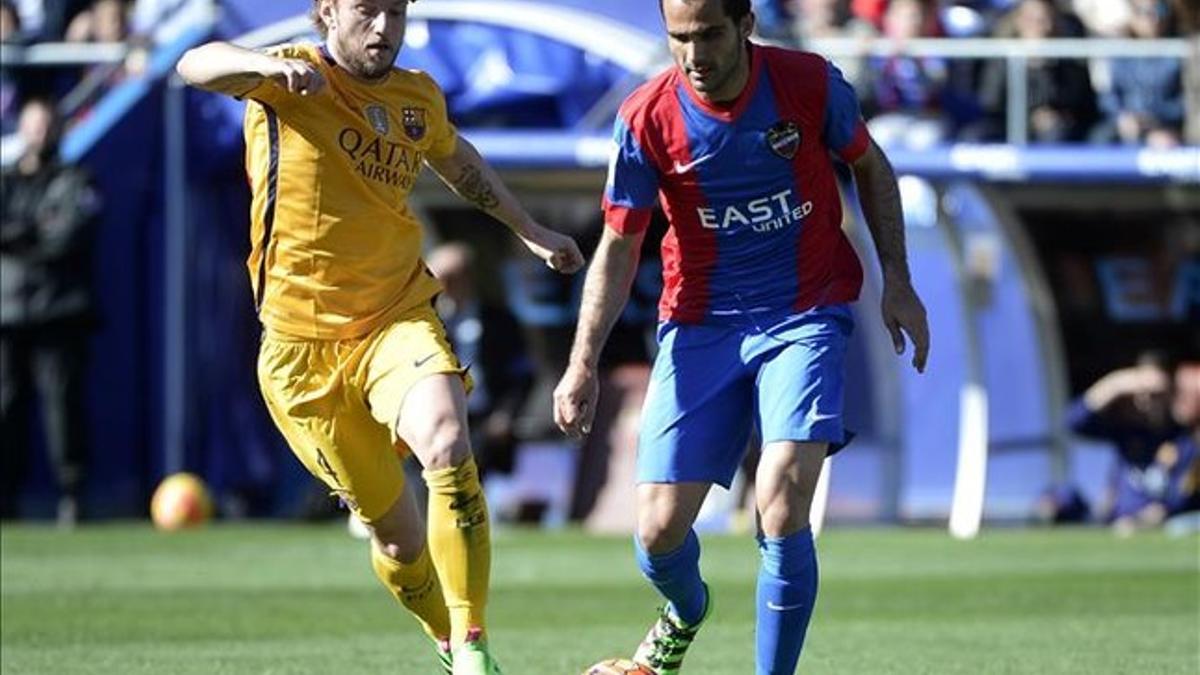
(335, 250)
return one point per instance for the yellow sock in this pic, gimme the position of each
(416, 586)
(460, 544)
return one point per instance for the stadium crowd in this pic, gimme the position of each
(74, 87)
(913, 101)
(921, 101)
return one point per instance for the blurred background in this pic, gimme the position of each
(1050, 160)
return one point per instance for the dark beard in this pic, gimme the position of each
(366, 69)
(371, 71)
(733, 70)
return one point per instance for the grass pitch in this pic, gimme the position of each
(293, 599)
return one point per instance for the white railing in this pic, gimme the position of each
(1016, 53)
(57, 54)
(998, 48)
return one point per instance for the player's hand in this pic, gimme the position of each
(558, 251)
(904, 313)
(575, 400)
(295, 75)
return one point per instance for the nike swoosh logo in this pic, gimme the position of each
(782, 608)
(420, 362)
(684, 168)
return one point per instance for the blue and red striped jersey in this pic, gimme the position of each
(748, 189)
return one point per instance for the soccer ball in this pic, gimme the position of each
(619, 667)
(180, 501)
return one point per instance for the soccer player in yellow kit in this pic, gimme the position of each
(355, 366)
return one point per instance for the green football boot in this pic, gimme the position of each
(669, 638)
(472, 657)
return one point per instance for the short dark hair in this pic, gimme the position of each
(57, 123)
(734, 9)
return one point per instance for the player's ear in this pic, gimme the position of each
(328, 13)
(747, 27)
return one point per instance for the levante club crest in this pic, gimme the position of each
(413, 120)
(378, 117)
(784, 139)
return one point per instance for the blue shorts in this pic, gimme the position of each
(710, 383)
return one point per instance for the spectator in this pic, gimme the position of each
(1060, 103)
(103, 21)
(46, 307)
(50, 18)
(904, 94)
(870, 11)
(817, 19)
(1144, 104)
(10, 23)
(1151, 417)
(873, 11)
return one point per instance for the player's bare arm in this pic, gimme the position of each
(472, 178)
(1142, 380)
(879, 196)
(605, 292)
(225, 68)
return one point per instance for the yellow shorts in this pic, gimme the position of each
(337, 401)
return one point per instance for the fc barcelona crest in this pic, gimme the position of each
(377, 115)
(784, 139)
(413, 120)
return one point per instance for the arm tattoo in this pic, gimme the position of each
(474, 187)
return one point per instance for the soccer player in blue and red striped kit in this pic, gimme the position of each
(736, 143)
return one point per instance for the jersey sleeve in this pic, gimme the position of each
(632, 187)
(443, 135)
(845, 132)
(269, 91)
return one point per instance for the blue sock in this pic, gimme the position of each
(676, 575)
(787, 590)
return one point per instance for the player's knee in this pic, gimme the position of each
(661, 535)
(447, 446)
(780, 518)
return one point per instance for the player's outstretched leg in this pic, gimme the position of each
(787, 580)
(415, 584)
(433, 423)
(668, 553)
(400, 559)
